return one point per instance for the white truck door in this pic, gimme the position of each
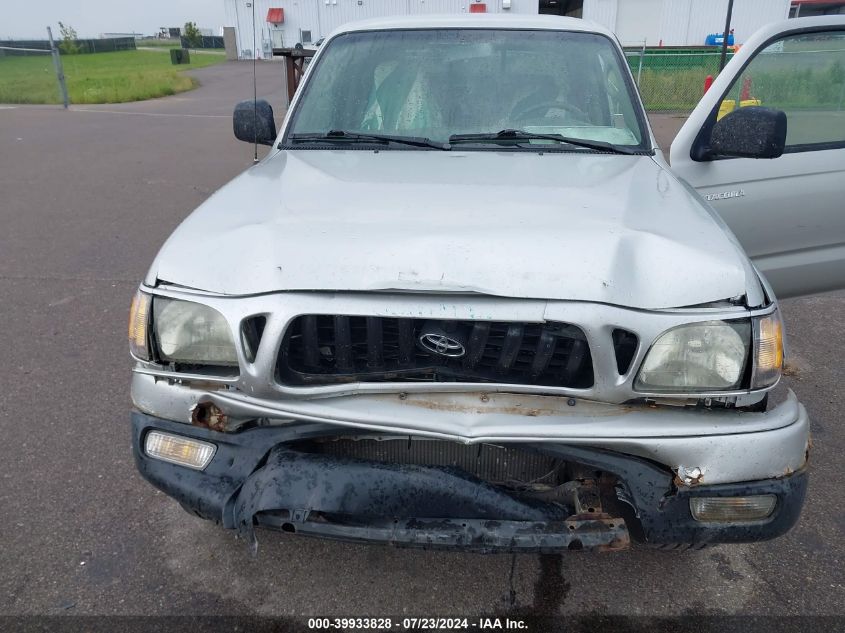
(788, 212)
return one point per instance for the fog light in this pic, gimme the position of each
(179, 450)
(731, 509)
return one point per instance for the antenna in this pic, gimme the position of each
(254, 89)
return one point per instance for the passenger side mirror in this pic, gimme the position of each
(749, 132)
(254, 123)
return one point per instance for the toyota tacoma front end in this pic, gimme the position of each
(447, 311)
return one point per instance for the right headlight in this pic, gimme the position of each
(192, 333)
(713, 356)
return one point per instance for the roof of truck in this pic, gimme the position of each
(477, 21)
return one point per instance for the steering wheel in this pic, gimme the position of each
(544, 106)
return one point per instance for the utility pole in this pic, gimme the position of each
(57, 64)
(726, 35)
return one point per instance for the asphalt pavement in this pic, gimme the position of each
(87, 196)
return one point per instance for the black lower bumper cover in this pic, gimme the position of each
(438, 507)
(256, 478)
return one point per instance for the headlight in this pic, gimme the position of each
(192, 333)
(708, 356)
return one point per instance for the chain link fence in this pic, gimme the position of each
(34, 47)
(31, 71)
(205, 41)
(82, 71)
(672, 79)
(22, 62)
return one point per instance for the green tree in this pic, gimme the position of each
(68, 45)
(192, 35)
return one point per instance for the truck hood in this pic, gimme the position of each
(571, 226)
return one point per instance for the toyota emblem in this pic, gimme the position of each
(442, 345)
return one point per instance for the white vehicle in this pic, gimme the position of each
(464, 301)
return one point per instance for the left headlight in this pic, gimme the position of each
(192, 333)
(707, 356)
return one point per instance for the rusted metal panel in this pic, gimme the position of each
(208, 415)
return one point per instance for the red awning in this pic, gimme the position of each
(276, 16)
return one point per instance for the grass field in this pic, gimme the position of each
(672, 90)
(99, 77)
(673, 82)
(805, 72)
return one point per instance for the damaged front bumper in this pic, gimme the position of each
(361, 500)
(701, 446)
(263, 477)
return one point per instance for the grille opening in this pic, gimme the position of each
(547, 480)
(625, 347)
(252, 329)
(331, 349)
(216, 371)
(505, 465)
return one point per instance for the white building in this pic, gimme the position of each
(682, 22)
(284, 23)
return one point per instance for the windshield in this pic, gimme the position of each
(435, 84)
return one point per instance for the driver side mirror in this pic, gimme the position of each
(254, 123)
(749, 132)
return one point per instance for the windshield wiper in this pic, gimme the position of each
(521, 135)
(342, 135)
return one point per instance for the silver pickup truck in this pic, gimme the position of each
(464, 302)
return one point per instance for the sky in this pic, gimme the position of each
(30, 18)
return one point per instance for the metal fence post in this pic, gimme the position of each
(57, 63)
(640, 69)
(726, 35)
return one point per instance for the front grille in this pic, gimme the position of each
(331, 349)
(496, 464)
